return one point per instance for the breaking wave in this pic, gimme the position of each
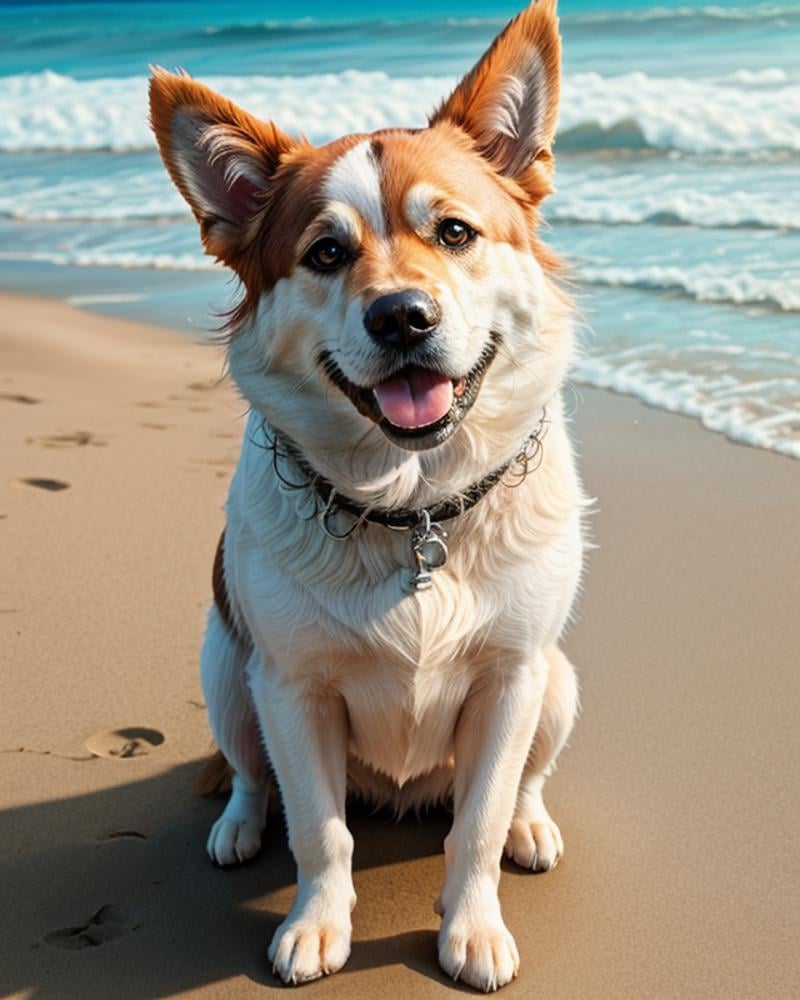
(50, 111)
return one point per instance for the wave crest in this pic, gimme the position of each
(48, 111)
(706, 283)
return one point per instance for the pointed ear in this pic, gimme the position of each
(220, 158)
(508, 102)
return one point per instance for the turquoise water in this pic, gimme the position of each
(678, 167)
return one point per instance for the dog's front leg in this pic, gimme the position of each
(492, 741)
(306, 736)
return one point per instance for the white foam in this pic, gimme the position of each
(706, 282)
(110, 258)
(104, 299)
(696, 116)
(758, 77)
(618, 202)
(130, 194)
(42, 111)
(744, 412)
(751, 12)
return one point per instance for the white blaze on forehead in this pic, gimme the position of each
(355, 180)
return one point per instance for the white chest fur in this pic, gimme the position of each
(329, 612)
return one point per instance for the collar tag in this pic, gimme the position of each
(428, 551)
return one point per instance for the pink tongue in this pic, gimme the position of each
(416, 398)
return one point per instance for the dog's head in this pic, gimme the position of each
(394, 285)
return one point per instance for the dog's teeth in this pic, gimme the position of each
(459, 387)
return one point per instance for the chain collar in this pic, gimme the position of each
(428, 538)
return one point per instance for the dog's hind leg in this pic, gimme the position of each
(236, 835)
(534, 840)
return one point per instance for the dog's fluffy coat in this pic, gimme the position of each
(326, 660)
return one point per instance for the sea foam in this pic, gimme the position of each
(704, 282)
(49, 111)
(709, 210)
(743, 412)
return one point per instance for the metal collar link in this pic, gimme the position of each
(428, 537)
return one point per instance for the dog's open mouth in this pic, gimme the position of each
(417, 407)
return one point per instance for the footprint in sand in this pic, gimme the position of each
(36, 483)
(107, 923)
(193, 406)
(112, 835)
(19, 397)
(77, 439)
(204, 386)
(131, 741)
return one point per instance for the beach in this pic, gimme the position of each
(678, 796)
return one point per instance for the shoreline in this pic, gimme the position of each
(680, 877)
(172, 299)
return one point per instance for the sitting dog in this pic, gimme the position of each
(403, 540)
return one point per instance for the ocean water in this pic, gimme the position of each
(678, 155)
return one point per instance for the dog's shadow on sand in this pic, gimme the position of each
(111, 894)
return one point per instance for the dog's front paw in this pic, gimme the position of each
(535, 845)
(236, 836)
(481, 953)
(233, 841)
(304, 949)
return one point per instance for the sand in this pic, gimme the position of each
(678, 797)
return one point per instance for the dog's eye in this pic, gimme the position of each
(454, 233)
(325, 255)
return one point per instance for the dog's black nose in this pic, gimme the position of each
(403, 319)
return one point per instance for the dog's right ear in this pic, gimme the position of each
(220, 158)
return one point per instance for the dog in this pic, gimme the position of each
(403, 542)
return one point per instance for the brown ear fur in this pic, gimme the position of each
(220, 158)
(508, 102)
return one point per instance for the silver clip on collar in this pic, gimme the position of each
(428, 550)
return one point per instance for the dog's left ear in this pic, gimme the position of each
(508, 102)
